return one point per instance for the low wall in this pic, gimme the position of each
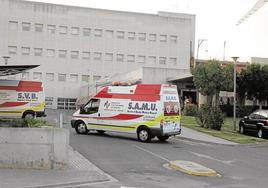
(34, 148)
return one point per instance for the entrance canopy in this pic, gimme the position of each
(6, 70)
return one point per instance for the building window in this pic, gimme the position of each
(162, 60)
(141, 59)
(62, 53)
(96, 78)
(37, 75)
(12, 50)
(163, 38)
(120, 34)
(38, 51)
(38, 27)
(97, 56)
(50, 53)
(75, 30)
(85, 78)
(73, 77)
(108, 57)
(86, 32)
(173, 60)
(63, 30)
(86, 55)
(49, 101)
(109, 34)
(152, 37)
(152, 60)
(26, 26)
(13, 25)
(25, 50)
(50, 76)
(173, 39)
(66, 103)
(142, 36)
(131, 58)
(98, 32)
(62, 77)
(74, 54)
(120, 57)
(51, 29)
(25, 76)
(131, 35)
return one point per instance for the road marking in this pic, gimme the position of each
(209, 157)
(154, 154)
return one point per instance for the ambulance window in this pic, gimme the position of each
(92, 106)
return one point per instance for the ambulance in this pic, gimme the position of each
(145, 109)
(21, 99)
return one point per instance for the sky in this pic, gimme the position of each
(215, 21)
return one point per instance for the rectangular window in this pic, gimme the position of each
(152, 60)
(50, 53)
(12, 50)
(96, 77)
(25, 76)
(163, 38)
(109, 34)
(131, 58)
(63, 30)
(141, 59)
(66, 103)
(86, 32)
(162, 60)
(75, 30)
(173, 60)
(108, 57)
(74, 54)
(120, 34)
(26, 26)
(62, 53)
(37, 75)
(49, 101)
(38, 27)
(85, 78)
(120, 57)
(25, 50)
(73, 77)
(86, 55)
(173, 39)
(13, 25)
(62, 77)
(152, 37)
(51, 29)
(38, 51)
(50, 76)
(97, 56)
(142, 36)
(131, 35)
(98, 32)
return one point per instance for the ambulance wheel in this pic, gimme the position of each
(162, 138)
(144, 134)
(28, 115)
(81, 128)
(100, 131)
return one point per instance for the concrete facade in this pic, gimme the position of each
(77, 46)
(34, 148)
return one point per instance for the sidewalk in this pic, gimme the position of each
(198, 136)
(80, 171)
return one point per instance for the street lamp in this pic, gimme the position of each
(200, 41)
(235, 60)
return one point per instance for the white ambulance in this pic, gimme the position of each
(145, 109)
(20, 99)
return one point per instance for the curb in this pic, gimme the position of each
(192, 168)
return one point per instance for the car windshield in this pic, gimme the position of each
(263, 113)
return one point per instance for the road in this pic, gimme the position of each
(136, 164)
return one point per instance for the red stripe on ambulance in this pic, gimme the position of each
(12, 104)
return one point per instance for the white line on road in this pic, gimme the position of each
(154, 154)
(209, 157)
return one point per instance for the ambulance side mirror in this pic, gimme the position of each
(82, 110)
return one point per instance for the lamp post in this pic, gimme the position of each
(235, 60)
(200, 41)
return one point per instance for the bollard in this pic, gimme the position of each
(61, 120)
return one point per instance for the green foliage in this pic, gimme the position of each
(210, 117)
(28, 122)
(190, 110)
(31, 123)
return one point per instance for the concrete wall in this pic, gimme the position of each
(34, 148)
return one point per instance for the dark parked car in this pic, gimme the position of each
(256, 121)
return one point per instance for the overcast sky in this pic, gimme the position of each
(215, 21)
